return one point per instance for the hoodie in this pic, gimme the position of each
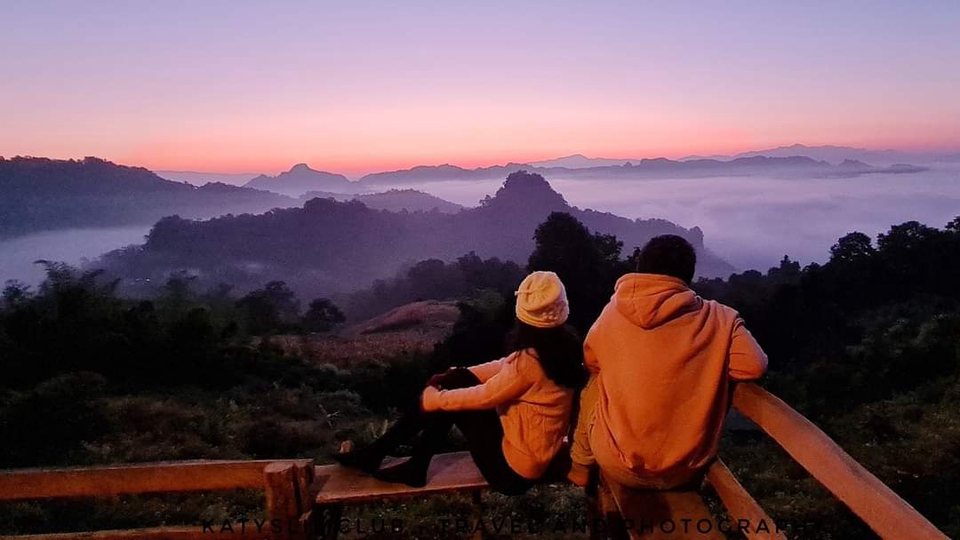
(663, 359)
(534, 411)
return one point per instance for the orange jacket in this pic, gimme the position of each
(664, 359)
(534, 410)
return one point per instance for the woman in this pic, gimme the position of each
(514, 412)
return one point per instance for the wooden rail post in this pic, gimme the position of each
(281, 494)
(304, 473)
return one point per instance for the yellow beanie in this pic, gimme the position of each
(542, 300)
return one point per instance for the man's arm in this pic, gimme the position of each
(747, 359)
(589, 356)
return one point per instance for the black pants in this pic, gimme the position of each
(481, 429)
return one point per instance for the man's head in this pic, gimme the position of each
(669, 255)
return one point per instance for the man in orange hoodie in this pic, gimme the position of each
(661, 361)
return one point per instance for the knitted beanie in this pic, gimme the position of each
(542, 300)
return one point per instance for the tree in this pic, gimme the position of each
(588, 264)
(270, 309)
(322, 316)
(852, 247)
(954, 225)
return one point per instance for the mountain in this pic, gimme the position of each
(301, 179)
(580, 161)
(329, 246)
(200, 178)
(39, 194)
(436, 173)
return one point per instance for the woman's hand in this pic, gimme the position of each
(428, 396)
(436, 380)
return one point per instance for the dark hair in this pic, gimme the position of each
(559, 351)
(668, 255)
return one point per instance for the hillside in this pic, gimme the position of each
(39, 194)
(328, 247)
(394, 200)
(409, 329)
(301, 179)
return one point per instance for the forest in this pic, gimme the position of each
(866, 345)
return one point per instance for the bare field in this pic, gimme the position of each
(412, 328)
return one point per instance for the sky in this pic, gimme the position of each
(355, 87)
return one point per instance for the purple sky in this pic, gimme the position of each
(357, 86)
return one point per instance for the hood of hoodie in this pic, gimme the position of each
(650, 300)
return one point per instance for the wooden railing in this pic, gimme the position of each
(869, 498)
(286, 485)
(295, 489)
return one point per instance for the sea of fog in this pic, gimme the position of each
(750, 221)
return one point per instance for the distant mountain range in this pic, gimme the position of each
(789, 166)
(329, 246)
(839, 154)
(795, 160)
(38, 194)
(831, 154)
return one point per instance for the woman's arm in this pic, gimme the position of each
(486, 370)
(509, 383)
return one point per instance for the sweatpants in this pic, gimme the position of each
(481, 429)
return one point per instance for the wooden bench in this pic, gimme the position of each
(877, 505)
(335, 486)
(649, 514)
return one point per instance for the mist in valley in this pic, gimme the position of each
(750, 221)
(72, 246)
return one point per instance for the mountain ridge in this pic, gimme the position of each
(329, 247)
(301, 179)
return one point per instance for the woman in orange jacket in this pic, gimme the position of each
(514, 412)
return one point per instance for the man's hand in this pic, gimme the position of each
(579, 474)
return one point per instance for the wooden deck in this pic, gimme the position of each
(299, 493)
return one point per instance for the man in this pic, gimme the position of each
(661, 361)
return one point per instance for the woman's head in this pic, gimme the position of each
(542, 310)
(542, 300)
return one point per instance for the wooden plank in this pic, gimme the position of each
(164, 477)
(448, 472)
(877, 505)
(158, 533)
(740, 505)
(664, 515)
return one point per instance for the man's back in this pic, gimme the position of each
(664, 359)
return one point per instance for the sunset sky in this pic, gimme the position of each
(354, 87)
